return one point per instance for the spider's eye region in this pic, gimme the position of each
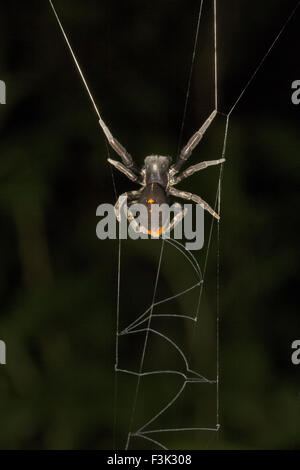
(150, 201)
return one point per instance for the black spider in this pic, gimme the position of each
(157, 178)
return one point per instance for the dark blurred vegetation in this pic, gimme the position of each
(58, 282)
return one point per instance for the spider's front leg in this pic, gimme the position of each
(176, 219)
(136, 178)
(115, 144)
(192, 143)
(193, 197)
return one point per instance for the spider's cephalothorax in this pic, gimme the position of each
(157, 178)
(156, 169)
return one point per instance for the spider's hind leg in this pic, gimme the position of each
(130, 196)
(180, 214)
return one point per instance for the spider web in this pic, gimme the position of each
(142, 324)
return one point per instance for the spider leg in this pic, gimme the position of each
(193, 197)
(192, 143)
(129, 173)
(193, 169)
(176, 219)
(121, 151)
(131, 197)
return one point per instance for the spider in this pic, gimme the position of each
(157, 177)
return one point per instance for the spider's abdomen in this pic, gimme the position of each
(153, 193)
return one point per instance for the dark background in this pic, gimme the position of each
(58, 282)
